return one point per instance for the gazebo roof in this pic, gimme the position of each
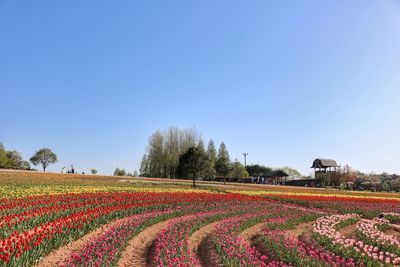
(324, 163)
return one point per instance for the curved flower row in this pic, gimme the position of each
(236, 251)
(369, 229)
(171, 247)
(298, 253)
(325, 227)
(102, 250)
(24, 247)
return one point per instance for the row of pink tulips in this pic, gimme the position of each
(325, 227)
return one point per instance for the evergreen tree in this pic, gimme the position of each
(222, 166)
(212, 156)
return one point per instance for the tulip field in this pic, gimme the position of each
(76, 220)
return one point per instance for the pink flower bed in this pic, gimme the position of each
(325, 226)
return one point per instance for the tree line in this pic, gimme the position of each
(346, 177)
(12, 159)
(181, 153)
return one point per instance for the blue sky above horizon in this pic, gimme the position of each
(285, 81)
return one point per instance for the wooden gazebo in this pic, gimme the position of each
(324, 165)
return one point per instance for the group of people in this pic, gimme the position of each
(72, 170)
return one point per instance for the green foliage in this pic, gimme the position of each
(292, 172)
(93, 171)
(119, 172)
(322, 178)
(384, 227)
(238, 171)
(3, 157)
(44, 157)
(392, 218)
(192, 163)
(345, 223)
(164, 150)
(212, 157)
(222, 165)
(257, 170)
(11, 159)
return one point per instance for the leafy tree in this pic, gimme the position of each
(257, 170)
(164, 149)
(292, 172)
(3, 157)
(119, 172)
(25, 165)
(135, 173)
(212, 157)
(144, 166)
(192, 163)
(222, 165)
(323, 178)
(238, 171)
(14, 160)
(93, 171)
(44, 157)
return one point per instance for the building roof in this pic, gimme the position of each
(274, 174)
(324, 163)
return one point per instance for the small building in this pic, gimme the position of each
(323, 170)
(275, 177)
(324, 165)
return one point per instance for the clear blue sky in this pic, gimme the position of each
(285, 81)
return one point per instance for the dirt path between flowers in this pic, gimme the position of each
(137, 251)
(349, 231)
(251, 232)
(200, 244)
(197, 237)
(301, 230)
(58, 256)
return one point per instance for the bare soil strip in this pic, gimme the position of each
(57, 257)
(137, 250)
(257, 242)
(349, 231)
(207, 255)
(250, 232)
(197, 237)
(301, 229)
(200, 244)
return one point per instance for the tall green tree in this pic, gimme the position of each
(212, 156)
(44, 157)
(222, 166)
(165, 148)
(144, 167)
(192, 163)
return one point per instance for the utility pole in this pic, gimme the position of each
(245, 156)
